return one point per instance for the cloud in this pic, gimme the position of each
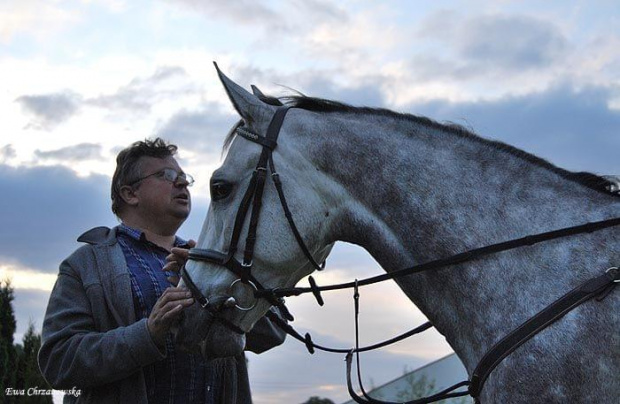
(7, 153)
(288, 17)
(137, 97)
(79, 152)
(142, 93)
(574, 128)
(46, 208)
(358, 41)
(474, 46)
(50, 110)
(200, 130)
(365, 90)
(245, 11)
(35, 17)
(512, 42)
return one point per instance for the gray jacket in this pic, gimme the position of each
(91, 340)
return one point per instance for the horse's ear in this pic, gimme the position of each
(257, 92)
(247, 105)
(265, 98)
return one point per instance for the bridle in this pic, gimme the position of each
(599, 286)
(251, 199)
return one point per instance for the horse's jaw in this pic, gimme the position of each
(199, 332)
(221, 342)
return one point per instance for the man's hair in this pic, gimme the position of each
(128, 168)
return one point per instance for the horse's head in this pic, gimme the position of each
(247, 242)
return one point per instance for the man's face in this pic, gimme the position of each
(160, 199)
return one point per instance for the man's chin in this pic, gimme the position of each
(181, 214)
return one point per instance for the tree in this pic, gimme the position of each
(318, 400)
(419, 387)
(19, 368)
(8, 357)
(28, 373)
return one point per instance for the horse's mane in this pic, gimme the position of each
(314, 104)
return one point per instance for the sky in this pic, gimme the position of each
(81, 79)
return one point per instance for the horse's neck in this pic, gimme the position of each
(431, 195)
(437, 193)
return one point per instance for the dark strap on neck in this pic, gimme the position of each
(459, 258)
(540, 321)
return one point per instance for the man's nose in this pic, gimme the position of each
(181, 182)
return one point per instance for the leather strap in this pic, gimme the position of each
(466, 256)
(540, 321)
(289, 218)
(249, 135)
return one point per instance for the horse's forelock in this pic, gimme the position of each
(230, 136)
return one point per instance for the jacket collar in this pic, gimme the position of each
(99, 235)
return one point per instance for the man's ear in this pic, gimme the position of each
(129, 195)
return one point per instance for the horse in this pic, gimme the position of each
(410, 190)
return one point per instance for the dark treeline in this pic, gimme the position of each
(19, 370)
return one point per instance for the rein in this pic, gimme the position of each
(598, 287)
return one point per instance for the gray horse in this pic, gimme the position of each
(410, 190)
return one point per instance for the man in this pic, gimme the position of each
(106, 329)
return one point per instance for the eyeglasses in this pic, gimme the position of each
(169, 175)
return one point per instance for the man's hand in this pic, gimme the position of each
(176, 260)
(166, 311)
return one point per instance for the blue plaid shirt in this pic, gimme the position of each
(181, 377)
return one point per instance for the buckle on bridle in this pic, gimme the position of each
(204, 302)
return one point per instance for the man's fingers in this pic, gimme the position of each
(179, 252)
(172, 294)
(166, 310)
(173, 280)
(173, 313)
(169, 306)
(172, 267)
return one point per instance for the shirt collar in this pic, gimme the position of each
(139, 235)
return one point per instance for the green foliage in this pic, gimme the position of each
(28, 373)
(419, 387)
(8, 357)
(318, 400)
(19, 369)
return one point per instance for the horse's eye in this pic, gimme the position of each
(220, 189)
